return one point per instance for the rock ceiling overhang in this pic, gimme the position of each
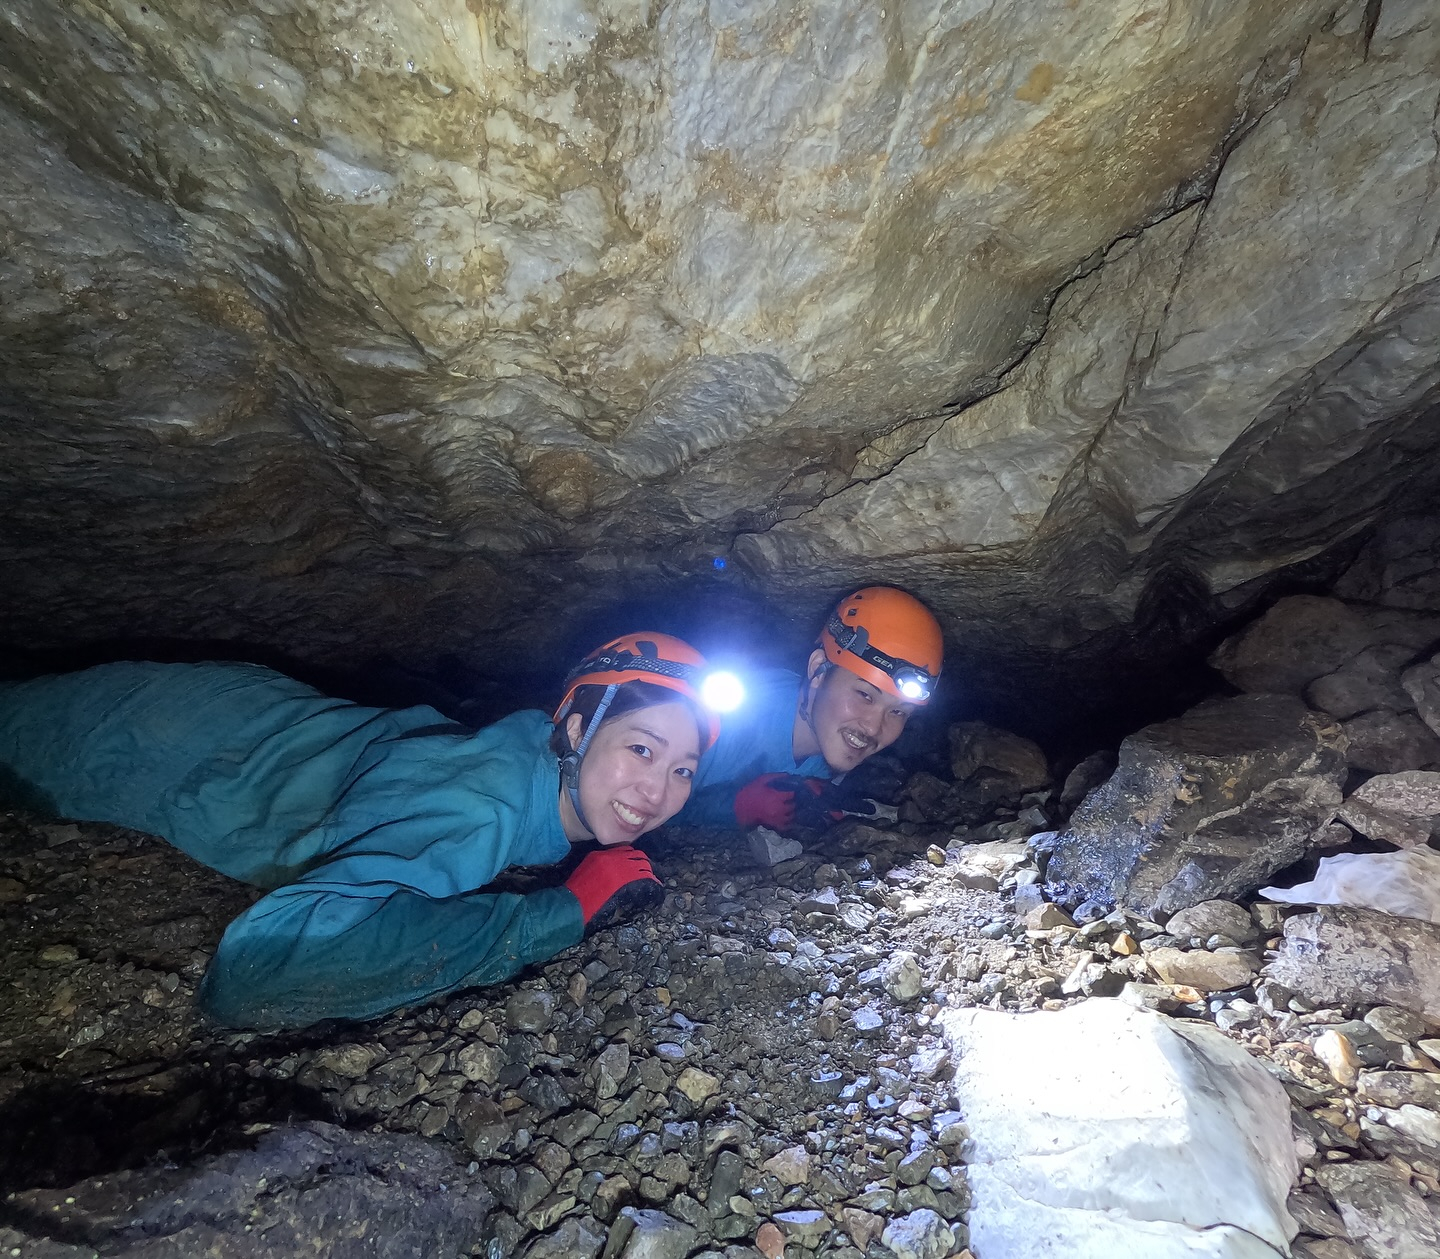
(416, 327)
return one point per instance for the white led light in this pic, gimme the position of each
(911, 689)
(722, 692)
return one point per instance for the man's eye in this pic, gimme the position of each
(865, 695)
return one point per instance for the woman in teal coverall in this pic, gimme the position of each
(376, 828)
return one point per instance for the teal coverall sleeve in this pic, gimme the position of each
(318, 950)
(757, 739)
(378, 829)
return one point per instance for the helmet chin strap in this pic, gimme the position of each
(570, 762)
(807, 707)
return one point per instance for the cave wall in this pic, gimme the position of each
(423, 328)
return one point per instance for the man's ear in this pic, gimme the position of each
(814, 670)
(574, 729)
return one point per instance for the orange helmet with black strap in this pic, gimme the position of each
(660, 659)
(887, 638)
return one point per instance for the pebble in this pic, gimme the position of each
(922, 1234)
(901, 976)
(790, 1167)
(808, 1228)
(59, 954)
(353, 1062)
(1337, 1052)
(529, 1010)
(867, 1021)
(697, 1085)
(770, 1241)
(481, 1063)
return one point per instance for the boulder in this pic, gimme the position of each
(1304, 637)
(1344, 956)
(1421, 682)
(1370, 680)
(1202, 970)
(280, 1199)
(1144, 1136)
(1402, 809)
(1381, 1211)
(1210, 918)
(1386, 741)
(1204, 807)
(994, 766)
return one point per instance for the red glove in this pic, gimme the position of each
(614, 883)
(770, 800)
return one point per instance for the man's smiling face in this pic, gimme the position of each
(852, 719)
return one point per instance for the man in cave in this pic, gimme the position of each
(876, 661)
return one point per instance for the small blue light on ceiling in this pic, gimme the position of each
(719, 562)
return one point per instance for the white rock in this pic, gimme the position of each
(1151, 1137)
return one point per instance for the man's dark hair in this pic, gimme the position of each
(630, 697)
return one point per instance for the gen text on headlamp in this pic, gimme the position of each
(722, 692)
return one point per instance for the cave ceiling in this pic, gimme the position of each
(427, 328)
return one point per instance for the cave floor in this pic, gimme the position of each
(751, 1014)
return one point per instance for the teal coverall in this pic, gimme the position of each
(758, 738)
(376, 827)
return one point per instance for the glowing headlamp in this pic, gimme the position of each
(913, 684)
(722, 691)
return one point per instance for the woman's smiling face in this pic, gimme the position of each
(637, 770)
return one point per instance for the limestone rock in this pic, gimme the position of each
(993, 766)
(1203, 971)
(1409, 794)
(790, 1167)
(1339, 956)
(1422, 683)
(651, 1235)
(282, 1198)
(901, 976)
(1384, 741)
(1203, 807)
(1381, 1212)
(1210, 918)
(578, 1237)
(1370, 680)
(697, 1085)
(920, 1235)
(1048, 1168)
(405, 336)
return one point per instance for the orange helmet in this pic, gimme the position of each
(887, 638)
(645, 657)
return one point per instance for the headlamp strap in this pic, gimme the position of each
(856, 640)
(570, 762)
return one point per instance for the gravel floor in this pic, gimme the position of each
(753, 1069)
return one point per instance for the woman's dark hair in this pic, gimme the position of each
(630, 697)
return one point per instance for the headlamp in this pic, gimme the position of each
(913, 684)
(722, 691)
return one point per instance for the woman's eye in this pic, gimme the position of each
(640, 750)
(686, 774)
